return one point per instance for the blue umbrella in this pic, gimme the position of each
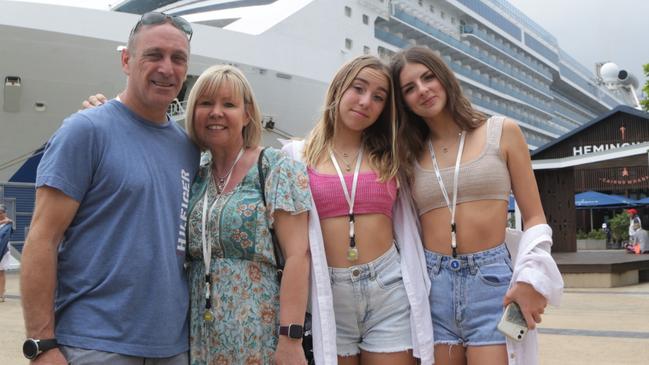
(644, 201)
(593, 199)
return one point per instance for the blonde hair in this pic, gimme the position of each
(209, 83)
(379, 139)
(413, 130)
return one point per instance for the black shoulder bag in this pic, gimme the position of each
(307, 337)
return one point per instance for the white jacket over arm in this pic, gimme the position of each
(533, 264)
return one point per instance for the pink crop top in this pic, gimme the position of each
(372, 196)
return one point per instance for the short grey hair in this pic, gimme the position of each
(3, 209)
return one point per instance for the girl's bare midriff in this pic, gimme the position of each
(480, 226)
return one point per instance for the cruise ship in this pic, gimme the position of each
(52, 57)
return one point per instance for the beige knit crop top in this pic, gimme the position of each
(485, 177)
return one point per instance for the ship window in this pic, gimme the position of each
(366, 50)
(421, 3)
(441, 14)
(432, 9)
(348, 43)
(452, 20)
(366, 19)
(348, 11)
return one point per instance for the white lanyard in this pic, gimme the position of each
(207, 239)
(456, 175)
(352, 251)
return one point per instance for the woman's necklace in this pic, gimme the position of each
(221, 181)
(208, 315)
(347, 161)
(444, 149)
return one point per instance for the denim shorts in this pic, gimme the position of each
(371, 307)
(466, 297)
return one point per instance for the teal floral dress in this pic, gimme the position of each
(245, 291)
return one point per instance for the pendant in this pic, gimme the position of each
(352, 254)
(208, 316)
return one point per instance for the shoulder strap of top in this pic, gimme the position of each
(494, 130)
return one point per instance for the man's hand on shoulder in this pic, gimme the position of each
(93, 101)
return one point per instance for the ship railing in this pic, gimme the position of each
(177, 109)
(587, 114)
(542, 106)
(571, 75)
(505, 69)
(491, 39)
(546, 128)
(567, 114)
(396, 41)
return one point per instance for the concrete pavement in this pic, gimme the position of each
(592, 327)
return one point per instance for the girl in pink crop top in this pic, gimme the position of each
(461, 170)
(352, 165)
(372, 196)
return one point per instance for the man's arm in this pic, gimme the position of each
(53, 214)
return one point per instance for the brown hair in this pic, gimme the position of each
(413, 130)
(379, 139)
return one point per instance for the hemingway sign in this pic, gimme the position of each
(583, 150)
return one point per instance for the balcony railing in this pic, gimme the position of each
(505, 69)
(491, 40)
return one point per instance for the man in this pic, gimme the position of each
(6, 228)
(102, 277)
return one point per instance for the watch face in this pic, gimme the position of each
(295, 331)
(30, 349)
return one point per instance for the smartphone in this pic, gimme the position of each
(512, 324)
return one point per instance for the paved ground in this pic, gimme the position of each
(592, 327)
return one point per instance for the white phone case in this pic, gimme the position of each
(512, 324)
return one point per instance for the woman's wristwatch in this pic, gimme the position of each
(295, 331)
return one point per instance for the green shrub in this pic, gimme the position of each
(597, 234)
(581, 235)
(619, 225)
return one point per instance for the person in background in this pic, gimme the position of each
(6, 228)
(634, 223)
(462, 166)
(607, 231)
(102, 276)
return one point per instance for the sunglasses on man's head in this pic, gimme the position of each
(159, 18)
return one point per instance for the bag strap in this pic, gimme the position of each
(279, 258)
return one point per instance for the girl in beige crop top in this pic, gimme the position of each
(484, 178)
(494, 161)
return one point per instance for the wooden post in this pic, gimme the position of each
(557, 190)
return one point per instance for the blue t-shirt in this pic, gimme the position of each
(121, 286)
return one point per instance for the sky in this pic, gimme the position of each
(596, 30)
(589, 30)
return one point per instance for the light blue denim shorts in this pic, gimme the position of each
(371, 307)
(466, 297)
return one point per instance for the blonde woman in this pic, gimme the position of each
(376, 287)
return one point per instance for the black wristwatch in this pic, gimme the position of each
(33, 347)
(292, 331)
